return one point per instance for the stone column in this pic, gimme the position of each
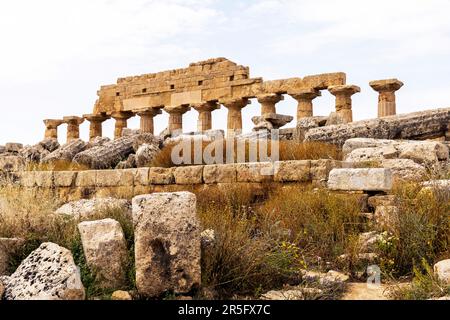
(268, 102)
(51, 128)
(95, 126)
(304, 99)
(386, 98)
(121, 118)
(73, 127)
(343, 94)
(147, 125)
(234, 119)
(176, 117)
(204, 122)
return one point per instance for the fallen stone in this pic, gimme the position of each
(368, 241)
(364, 143)
(442, 270)
(8, 247)
(98, 142)
(48, 273)
(67, 152)
(121, 296)
(105, 250)
(87, 208)
(443, 184)
(167, 243)
(127, 164)
(293, 294)
(146, 138)
(208, 238)
(49, 144)
(405, 169)
(386, 200)
(423, 152)
(11, 163)
(374, 179)
(145, 154)
(188, 175)
(13, 147)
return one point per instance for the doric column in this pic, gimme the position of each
(95, 124)
(73, 127)
(304, 99)
(205, 109)
(386, 98)
(121, 119)
(176, 116)
(147, 125)
(343, 96)
(268, 102)
(234, 119)
(51, 128)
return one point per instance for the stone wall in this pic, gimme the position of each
(73, 185)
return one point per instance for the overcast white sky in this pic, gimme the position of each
(55, 54)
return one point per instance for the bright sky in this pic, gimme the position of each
(55, 54)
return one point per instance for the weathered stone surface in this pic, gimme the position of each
(49, 144)
(87, 209)
(188, 175)
(141, 177)
(145, 154)
(219, 173)
(374, 179)
(335, 118)
(386, 216)
(11, 163)
(129, 163)
(13, 147)
(320, 169)
(404, 169)
(293, 294)
(105, 250)
(162, 176)
(417, 125)
(387, 200)
(423, 152)
(146, 138)
(442, 270)
(8, 246)
(365, 154)
(443, 184)
(98, 141)
(48, 273)
(364, 143)
(86, 178)
(254, 172)
(108, 155)
(121, 296)
(67, 152)
(167, 243)
(368, 240)
(292, 171)
(64, 178)
(271, 121)
(326, 279)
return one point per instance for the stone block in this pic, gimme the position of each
(161, 176)
(64, 178)
(371, 179)
(141, 177)
(86, 178)
(44, 179)
(189, 175)
(219, 173)
(255, 172)
(293, 171)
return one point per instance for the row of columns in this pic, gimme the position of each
(304, 97)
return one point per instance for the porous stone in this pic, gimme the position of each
(371, 179)
(442, 270)
(146, 138)
(66, 152)
(48, 273)
(386, 200)
(64, 178)
(386, 216)
(405, 169)
(188, 175)
(121, 296)
(292, 171)
(49, 144)
(145, 154)
(254, 172)
(13, 147)
(364, 143)
(423, 152)
(161, 176)
(105, 250)
(87, 209)
(219, 173)
(11, 163)
(167, 243)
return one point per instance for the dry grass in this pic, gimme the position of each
(60, 165)
(288, 150)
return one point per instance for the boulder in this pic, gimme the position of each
(167, 243)
(145, 154)
(121, 296)
(48, 273)
(108, 155)
(67, 152)
(8, 247)
(87, 208)
(105, 250)
(370, 179)
(442, 271)
(10, 163)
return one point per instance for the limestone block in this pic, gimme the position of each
(115, 178)
(320, 169)
(372, 179)
(8, 247)
(87, 208)
(167, 243)
(386, 216)
(66, 152)
(405, 169)
(423, 152)
(161, 176)
(13, 147)
(48, 273)
(26, 178)
(86, 178)
(189, 175)
(145, 154)
(11, 163)
(219, 173)
(141, 178)
(64, 178)
(105, 250)
(442, 270)
(255, 172)
(387, 200)
(292, 171)
(44, 179)
(360, 143)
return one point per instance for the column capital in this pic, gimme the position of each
(123, 115)
(305, 94)
(387, 85)
(206, 106)
(96, 117)
(270, 98)
(73, 120)
(53, 123)
(151, 112)
(238, 103)
(180, 109)
(345, 90)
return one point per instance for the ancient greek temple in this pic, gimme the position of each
(207, 86)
